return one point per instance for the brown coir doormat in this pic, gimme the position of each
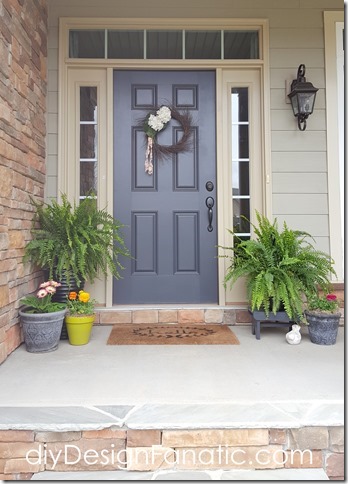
(185, 334)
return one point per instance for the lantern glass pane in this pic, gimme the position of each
(306, 102)
(294, 104)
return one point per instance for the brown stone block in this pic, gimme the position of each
(146, 316)
(6, 182)
(334, 465)
(86, 454)
(16, 436)
(277, 436)
(2, 332)
(3, 352)
(149, 458)
(243, 316)
(14, 466)
(214, 438)
(298, 459)
(229, 316)
(266, 457)
(57, 436)
(309, 438)
(11, 450)
(213, 315)
(19, 180)
(8, 265)
(167, 316)
(16, 239)
(13, 338)
(104, 434)
(143, 438)
(336, 439)
(115, 317)
(187, 316)
(4, 296)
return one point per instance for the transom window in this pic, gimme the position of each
(163, 44)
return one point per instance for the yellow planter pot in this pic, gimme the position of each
(79, 328)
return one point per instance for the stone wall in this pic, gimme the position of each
(23, 80)
(153, 450)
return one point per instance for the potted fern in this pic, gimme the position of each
(75, 243)
(281, 268)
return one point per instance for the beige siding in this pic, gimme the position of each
(299, 183)
(295, 38)
(292, 204)
(284, 161)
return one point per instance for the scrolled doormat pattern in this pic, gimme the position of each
(183, 334)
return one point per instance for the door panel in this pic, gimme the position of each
(174, 254)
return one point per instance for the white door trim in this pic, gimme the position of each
(331, 19)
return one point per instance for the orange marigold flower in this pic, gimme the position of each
(84, 296)
(73, 296)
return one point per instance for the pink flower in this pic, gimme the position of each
(44, 285)
(54, 283)
(50, 290)
(42, 293)
(331, 297)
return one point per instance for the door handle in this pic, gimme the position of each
(210, 204)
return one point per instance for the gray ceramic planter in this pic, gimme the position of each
(322, 327)
(42, 331)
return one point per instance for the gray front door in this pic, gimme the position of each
(166, 213)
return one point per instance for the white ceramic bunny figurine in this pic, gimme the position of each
(293, 337)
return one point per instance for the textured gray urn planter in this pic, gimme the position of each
(42, 331)
(322, 327)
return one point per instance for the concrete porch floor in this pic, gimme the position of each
(269, 378)
(257, 384)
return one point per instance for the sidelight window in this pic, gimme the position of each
(88, 141)
(240, 161)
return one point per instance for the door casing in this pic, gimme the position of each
(78, 72)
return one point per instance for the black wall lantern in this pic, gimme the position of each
(302, 97)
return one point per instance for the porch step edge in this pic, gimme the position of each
(305, 474)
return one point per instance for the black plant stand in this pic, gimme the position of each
(278, 320)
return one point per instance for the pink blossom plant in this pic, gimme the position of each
(42, 302)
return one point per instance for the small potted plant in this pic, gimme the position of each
(42, 319)
(323, 317)
(80, 317)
